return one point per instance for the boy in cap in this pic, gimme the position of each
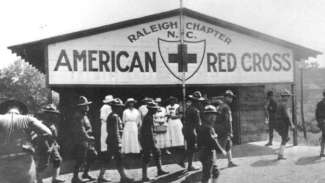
(114, 128)
(320, 117)
(47, 149)
(283, 121)
(84, 151)
(208, 144)
(148, 142)
(192, 122)
(223, 125)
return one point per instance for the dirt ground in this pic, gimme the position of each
(257, 164)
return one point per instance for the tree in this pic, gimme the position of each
(25, 83)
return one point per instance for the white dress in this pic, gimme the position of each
(175, 127)
(163, 139)
(105, 110)
(130, 141)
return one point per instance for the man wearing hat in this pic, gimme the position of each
(16, 159)
(47, 149)
(320, 118)
(143, 108)
(148, 142)
(192, 122)
(84, 151)
(283, 121)
(223, 124)
(114, 128)
(208, 144)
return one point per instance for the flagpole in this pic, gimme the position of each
(181, 33)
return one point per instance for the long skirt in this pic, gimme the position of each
(130, 141)
(174, 129)
(103, 137)
(163, 140)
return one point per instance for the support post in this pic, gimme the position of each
(294, 114)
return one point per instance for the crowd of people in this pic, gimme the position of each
(202, 126)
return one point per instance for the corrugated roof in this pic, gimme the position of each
(34, 52)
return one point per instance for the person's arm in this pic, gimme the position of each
(228, 118)
(288, 116)
(213, 140)
(35, 124)
(266, 111)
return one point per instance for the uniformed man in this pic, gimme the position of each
(84, 150)
(320, 117)
(192, 121)
(270, 108)
(114, 129)
(223, 124)
(283, 121)
(148, 142)
(47, 149)
(208, 145)
(16, 158)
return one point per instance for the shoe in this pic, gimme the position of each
(58, 181)
(76, 180)
(102, 179)
(145, 179)
(231, 164)
(126, 180)
(268, 144)
(192, 168)
(162, 172)
(87, 176)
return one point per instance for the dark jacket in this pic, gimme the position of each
(271, 109)
(147, 136)
(114, 126)
(207, 138)
(320, 111)
(223, 124)
(192, 121)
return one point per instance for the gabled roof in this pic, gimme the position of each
(34, 52)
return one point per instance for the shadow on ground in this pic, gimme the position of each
(309, 160)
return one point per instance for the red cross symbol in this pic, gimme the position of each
(182, 58)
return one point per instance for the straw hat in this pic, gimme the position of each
(130, 100)
(285, 93)
(117, 102)
(50, 108)
(108, 99)
(6, 105)
(197, 95)
(229, 93)
(210, 109)
(152, 105)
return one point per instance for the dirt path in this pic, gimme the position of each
(257, 164)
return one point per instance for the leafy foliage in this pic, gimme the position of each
(25, 83)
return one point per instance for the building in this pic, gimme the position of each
(142, 57)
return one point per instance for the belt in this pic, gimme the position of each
(12, 155)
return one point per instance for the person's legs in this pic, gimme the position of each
(284, 140)
(56, 161)
(90, 158)
(120, 168)
(145, 161)
(206, 170)
(322, 142)
(104, 157)
(229, 153)
(271, 129)
(157, 157)
(190, 153)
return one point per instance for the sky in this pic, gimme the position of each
(298, 21)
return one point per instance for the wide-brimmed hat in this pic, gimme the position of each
(83, 101)
(172, 98)
(108, 99)
(147, 99)
(6, 105)
(217, 100)
(197, 95)
(152, 105)
(210, 109)
(117, 102)
(130, 100)
(285, 93)
(229, 93)
(50, 108)
(158, 100)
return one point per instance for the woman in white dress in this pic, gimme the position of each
(162, 136)
(131, 120)
(175, 125)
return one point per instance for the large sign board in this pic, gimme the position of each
(151, 54)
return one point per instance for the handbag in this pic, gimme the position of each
(160, 128)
